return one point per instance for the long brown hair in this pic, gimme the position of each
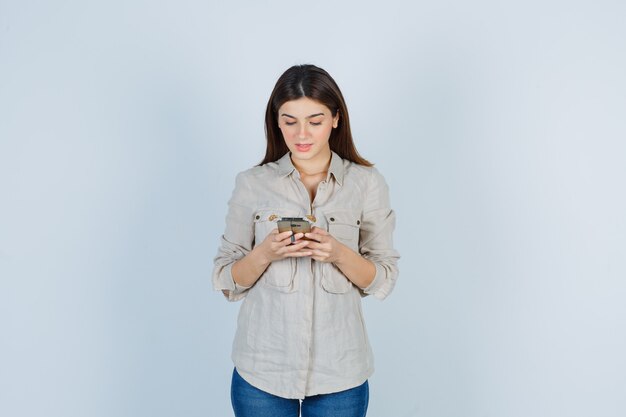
(315, 83)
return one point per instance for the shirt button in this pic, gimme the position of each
(358, 222)
(332, 219)
(257, 217)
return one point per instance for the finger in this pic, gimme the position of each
(298, 254)
(279, 237)
(313, 236)
(287, 247)
(293, 238)
(297, 246)
(296, 249)
(319, 258)
(319, 230)
(319, 255)
(315, 245)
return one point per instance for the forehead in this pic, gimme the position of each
(303, 107)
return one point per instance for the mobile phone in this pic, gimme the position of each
(295, 224)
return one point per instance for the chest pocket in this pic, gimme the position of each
(264, 222)
(279, 275)
(343, 225)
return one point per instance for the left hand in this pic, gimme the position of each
(324, 247)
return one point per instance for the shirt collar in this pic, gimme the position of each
(285, 167)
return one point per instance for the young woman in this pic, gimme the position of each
(301, 340)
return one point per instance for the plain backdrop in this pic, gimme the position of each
(500, 127)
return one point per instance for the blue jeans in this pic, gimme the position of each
(249, 401)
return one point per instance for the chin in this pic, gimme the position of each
(303, 155)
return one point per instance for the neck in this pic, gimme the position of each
(314, 166)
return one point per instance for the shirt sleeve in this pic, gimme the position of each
(236, 241)
(376, 237)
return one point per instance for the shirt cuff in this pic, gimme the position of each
(235, 292)
(375, 287)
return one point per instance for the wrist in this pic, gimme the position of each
(343, 255)
(262, 256)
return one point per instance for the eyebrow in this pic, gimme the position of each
(308, 117)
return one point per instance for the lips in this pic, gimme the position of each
(303, 147)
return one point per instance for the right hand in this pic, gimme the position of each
(278, 246)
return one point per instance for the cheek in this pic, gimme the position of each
(324, 134)
(287, 131)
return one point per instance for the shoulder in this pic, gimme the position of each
(250, 182)
(258, 173)
(368, 176)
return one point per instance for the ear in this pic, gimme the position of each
(336, 120)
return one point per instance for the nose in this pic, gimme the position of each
(303, 133)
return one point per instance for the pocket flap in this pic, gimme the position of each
(347, 217)
(343, 224)
(266, 215)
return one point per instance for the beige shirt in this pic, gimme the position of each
(300, 329)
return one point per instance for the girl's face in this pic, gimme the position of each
(306, 126)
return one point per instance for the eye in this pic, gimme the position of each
(316, 123)
(290, 123)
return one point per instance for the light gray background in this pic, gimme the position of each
(499, 126)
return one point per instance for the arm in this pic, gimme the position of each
(249, 269)
(328, 249)
(236, 242)
(376, 238)
(374, 269)
(239, 262)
